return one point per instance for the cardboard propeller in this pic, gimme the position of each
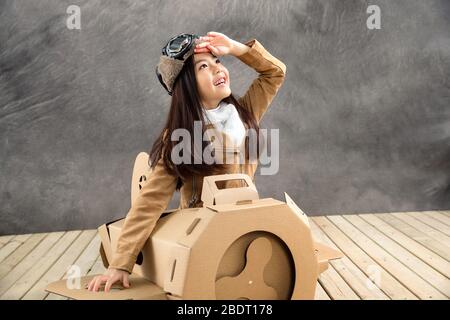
(237, 246)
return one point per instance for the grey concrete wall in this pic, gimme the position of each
(364, 115)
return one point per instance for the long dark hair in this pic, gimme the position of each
(185, 108)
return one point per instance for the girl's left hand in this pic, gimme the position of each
(216, 43)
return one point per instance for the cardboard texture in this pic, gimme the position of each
(237, 246)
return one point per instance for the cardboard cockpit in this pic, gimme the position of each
(237, 246)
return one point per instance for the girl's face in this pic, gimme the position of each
(213, 79)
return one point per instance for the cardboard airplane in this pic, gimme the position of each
(237, 246)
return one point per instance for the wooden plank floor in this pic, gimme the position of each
(403, 255)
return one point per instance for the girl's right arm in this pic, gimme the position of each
(151, 202)
(263, 89)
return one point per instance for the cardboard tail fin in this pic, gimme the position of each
(325, 253)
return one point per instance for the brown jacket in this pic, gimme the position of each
(156, 194)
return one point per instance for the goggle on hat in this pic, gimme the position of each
(174, 55)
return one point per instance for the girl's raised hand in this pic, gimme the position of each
(216, 43)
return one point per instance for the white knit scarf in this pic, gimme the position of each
(226, 119)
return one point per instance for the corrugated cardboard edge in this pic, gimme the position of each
(106, 251)
(103, 256)
(105, 247)
(294, 207)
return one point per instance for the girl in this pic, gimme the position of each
(192, 73)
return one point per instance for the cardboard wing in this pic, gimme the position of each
(76, 288)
